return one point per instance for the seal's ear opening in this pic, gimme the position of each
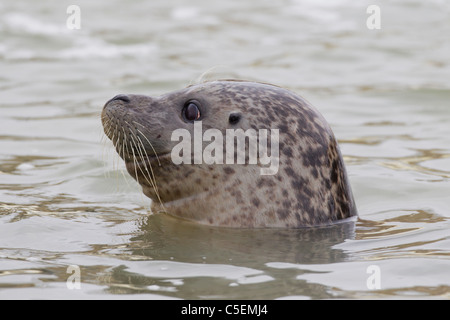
(234, 118)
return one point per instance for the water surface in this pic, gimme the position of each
(66, 200)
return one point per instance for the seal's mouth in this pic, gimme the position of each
(154, 159)
(132, 150)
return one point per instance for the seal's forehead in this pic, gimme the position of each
(214, 91)
(254, 97)
(232, 88)
(210, 86)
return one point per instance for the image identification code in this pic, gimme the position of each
(231, 309)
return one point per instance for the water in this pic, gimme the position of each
(64, 199)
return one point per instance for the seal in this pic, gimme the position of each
(309, 187)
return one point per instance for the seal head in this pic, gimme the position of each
(309, 186)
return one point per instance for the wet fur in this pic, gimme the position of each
(311, 187)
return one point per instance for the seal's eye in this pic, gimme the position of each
(191, 112)
(234, 118)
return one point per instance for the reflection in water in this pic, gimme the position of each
(410, 228)
(376, 140)
(163, 237)
(413, 163)
(194, 261)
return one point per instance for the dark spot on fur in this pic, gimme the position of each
(327, 183)
(315, 173)
(282, 214)
(283, 128)
(297, 184)
(265, 182)
(289, 171)
(331, 206)
(176, 192)
(334, 171)
(313, 157)
(256, 202)
(238, 196)
(188, 173)
(288, 151)
(228, 170)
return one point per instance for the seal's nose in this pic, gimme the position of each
(122, 97)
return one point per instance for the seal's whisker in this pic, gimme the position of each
(142, 156)
(105, 157)
(134, 160)
(120, 155)
(112, 132)
(123, 145)
(114, 142)
(149, 177)
(151, 173)
(136, 163)
(151, 145)
(116, 159)
(104, 143)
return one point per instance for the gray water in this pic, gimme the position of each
(65, 198)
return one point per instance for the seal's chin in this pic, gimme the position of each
(142, 170)
(146, 171)
(150, 159)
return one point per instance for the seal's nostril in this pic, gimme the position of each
(122, 97)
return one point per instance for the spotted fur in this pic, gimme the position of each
(311, 187)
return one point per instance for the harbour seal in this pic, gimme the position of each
(309, 188)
